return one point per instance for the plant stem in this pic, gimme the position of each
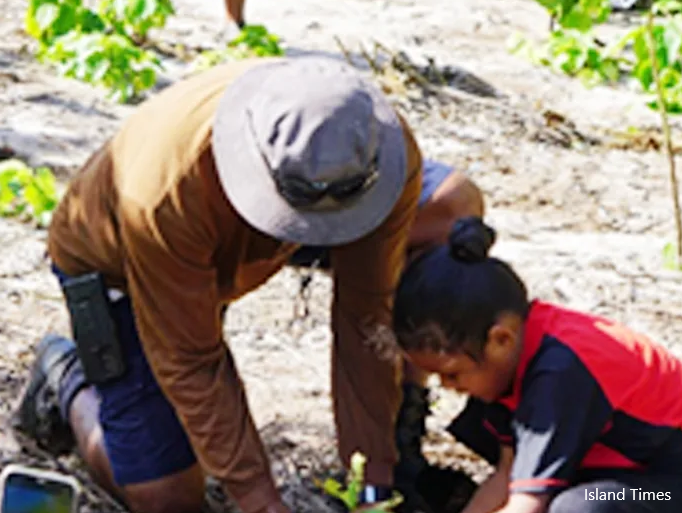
(662, 109)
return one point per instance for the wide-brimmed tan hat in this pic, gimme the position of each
(309, 151)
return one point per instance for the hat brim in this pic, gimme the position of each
(250, 188)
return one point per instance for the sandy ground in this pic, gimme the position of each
(582, 212)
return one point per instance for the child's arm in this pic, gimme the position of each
(493, 493)
(525, 503)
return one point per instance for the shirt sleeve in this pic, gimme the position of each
(483, 428)
(561, 414)
(172, 284)
(365, 377)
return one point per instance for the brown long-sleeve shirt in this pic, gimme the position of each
(147, 210)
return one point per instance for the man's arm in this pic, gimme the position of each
(172, 284)
(365, 371)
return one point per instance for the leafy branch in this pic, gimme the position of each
(101, 48)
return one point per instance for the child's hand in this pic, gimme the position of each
(526, 503)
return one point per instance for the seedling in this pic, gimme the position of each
(27, 192)
(252, 41)
(350, 495)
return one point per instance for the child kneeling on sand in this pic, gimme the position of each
(588, 413)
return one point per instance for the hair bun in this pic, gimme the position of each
(470, 239)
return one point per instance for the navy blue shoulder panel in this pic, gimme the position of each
(561, 413)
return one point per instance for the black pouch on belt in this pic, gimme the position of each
(94, 329)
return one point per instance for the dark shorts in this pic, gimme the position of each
(435, 174)
(143, 437)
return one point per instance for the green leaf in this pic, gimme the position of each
(640, 44)
(644, 73)
(65, 20)
(333, 487)
(148, 77)
(45, 180)
(151, 7)
(669, 77)
(589, 77)
(99, 68)
(672, 40)
(8, 191)
(135, 9)
(610, 70)
(670, 260)
(24, 191)
(577, 20)
(46, 15)
(91, 22)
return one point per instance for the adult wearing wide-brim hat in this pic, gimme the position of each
(204, 193)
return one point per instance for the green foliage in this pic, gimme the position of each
(574, 50)
(256, 41)
(28, 193)
(573, 53)
(578, 15)
(350, 495)
(252, 41)
(100, 48)
(134, 18)
(47, 20)
(667, 37)
(111, 61)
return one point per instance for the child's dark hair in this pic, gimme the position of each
(449, 298)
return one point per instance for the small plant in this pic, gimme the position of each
(256, 41)
(573, 53)
(26, 192)
(350, 495)
(252, 41)
(100, 48)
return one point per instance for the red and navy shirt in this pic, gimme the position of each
(588, 394)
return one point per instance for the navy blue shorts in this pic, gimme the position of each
(434, 174)
(143, 437)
